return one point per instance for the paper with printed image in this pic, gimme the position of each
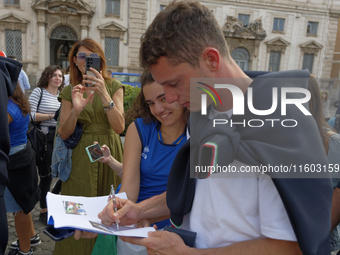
(82, 213)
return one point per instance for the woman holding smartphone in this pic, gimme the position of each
(99, 108)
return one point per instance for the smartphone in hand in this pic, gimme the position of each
(94, 152)
(58, 234)
(93, 62)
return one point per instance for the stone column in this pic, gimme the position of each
(84, 26)
(42, 41)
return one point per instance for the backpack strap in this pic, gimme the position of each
(41, 93)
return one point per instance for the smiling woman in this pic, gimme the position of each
(44, 103)
(158, 132)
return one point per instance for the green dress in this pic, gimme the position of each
(86, 178)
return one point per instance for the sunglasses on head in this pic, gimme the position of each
(82, 55)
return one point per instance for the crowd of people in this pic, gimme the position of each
(256, 213)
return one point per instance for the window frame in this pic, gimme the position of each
(107, 56)
(310, 27)
(275, 30)
(110, 13)
(17, 36)
(273, 64)
(244, 15)
(303, 61)
(6, 2)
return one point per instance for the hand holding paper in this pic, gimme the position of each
(128, 212)
(82, 213)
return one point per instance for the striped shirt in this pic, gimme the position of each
(49, 105)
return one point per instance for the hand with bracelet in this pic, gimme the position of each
(112, 106)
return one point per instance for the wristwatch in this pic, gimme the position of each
(109, 106)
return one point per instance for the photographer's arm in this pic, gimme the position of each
(131, 163)
(114, 115)
(68, 120)
(70, 112)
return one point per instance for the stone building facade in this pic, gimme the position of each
(264, 35)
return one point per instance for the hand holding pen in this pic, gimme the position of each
(112, 197)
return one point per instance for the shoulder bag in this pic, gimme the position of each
(37, 137)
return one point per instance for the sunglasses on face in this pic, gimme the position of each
(81, 55)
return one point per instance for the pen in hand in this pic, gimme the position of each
(113, 197)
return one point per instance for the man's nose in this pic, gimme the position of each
(170, 94)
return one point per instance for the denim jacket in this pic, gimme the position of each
(61, 160)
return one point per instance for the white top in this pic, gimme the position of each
(229, 210)
(66, 79)
(325, 108)
(49, 104)
(23, 81)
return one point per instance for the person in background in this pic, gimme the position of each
(22, 193)
(49, 86)
(9, 73)
(325, 105)
(67, 76)
(109, 73)
(331, 141)
(99, 108)
(23, 78)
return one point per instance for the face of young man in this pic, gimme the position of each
(176, 81)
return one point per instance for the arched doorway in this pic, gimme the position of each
(61, 41)
(241, 57)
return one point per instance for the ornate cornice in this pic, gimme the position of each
(235, 28)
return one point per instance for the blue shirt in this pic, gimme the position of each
(18, 127)
(331, 122)
(156, 160)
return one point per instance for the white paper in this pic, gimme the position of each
(82, 213)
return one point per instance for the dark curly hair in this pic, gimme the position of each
(140, 109)
(47, 74)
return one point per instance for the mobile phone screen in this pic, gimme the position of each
(93, 62)
(58, 234)
(94, 152)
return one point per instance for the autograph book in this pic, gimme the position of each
(82, 213)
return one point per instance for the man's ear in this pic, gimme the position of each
(212, 58)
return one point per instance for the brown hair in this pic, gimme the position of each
(326, 96)
(47, 74)
(21, 100)
(181, 32)
(76, 77)
(140, 109)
